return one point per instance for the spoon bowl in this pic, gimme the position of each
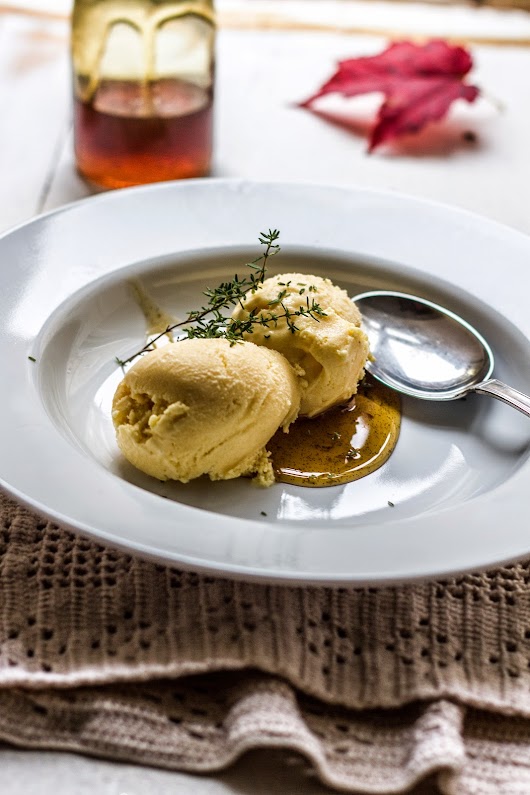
(423, 350)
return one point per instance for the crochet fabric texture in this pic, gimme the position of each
(118, 657)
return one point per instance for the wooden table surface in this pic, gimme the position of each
(260, 134)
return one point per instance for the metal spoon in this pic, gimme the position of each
(423, 350)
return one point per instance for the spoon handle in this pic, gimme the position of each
(518, 400)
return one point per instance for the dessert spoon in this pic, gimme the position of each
(424, 350)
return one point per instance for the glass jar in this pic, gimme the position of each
(143, 74)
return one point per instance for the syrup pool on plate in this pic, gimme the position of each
(345, 443)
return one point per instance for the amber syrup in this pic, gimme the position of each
(131, 133)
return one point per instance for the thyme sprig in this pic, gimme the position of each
(211, 320)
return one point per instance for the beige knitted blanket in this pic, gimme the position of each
(121, 658)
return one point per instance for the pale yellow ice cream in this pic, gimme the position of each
(205, 407)
(328, 353)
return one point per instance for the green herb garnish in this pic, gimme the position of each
(214, 318)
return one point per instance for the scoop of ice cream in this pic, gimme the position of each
(328, 353)
(204, 407)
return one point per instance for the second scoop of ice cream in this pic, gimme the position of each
(329, 352)
(204, 406)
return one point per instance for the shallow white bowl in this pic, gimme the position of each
(458, 479)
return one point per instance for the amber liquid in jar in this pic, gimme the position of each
(132, 133)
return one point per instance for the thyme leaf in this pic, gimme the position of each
(214, 320)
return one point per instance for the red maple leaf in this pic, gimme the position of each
(419, 83)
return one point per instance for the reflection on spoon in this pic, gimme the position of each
(423, 350)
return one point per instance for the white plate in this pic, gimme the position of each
(459, 477)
